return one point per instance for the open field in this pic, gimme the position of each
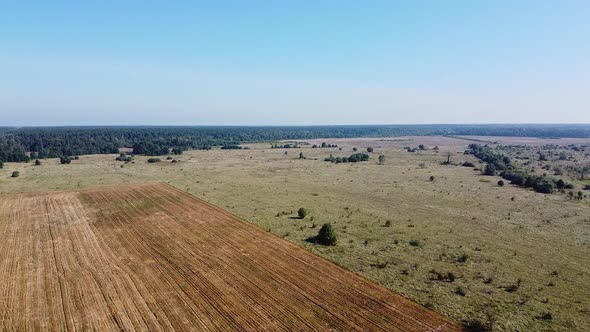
(515, 255)
(152, 257)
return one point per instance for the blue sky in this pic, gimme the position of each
(294, 62)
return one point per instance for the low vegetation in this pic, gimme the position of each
(354, 158)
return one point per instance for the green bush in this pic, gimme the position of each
(154, 160)
(15, 174)
(302, 213)
(326, 235)
(544, 186)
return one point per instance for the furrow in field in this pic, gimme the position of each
(150, 257)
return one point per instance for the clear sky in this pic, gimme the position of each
(293, 62)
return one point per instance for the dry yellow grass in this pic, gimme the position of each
(542, 240)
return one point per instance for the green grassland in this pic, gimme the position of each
(459, 244)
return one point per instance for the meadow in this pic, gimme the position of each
(442, 235)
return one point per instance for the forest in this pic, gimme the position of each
(55, 142)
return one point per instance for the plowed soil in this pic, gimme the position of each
(151, 257)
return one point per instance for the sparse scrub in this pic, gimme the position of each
(460, 291)
(415, 243)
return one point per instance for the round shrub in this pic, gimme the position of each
(302, 213)
(326, 235)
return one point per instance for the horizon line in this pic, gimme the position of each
(304, 125)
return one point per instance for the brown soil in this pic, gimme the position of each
(151, 257)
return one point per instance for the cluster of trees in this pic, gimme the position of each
(502, 165)
(65, 160)
(231, 147)
(496, 161)
(356, 157)
(324, 145)
(284, 146)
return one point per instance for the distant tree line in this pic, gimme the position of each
(55, 142)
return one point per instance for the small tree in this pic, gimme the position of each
(15, 174)
(421, 147)
(37, 162)
(302, 213)
(448, 155)
(326, 235)
(301, 156)
(1, 164)
(354, 149)
(369, 149)
(431, 178)
(501, 183)
(381, 159)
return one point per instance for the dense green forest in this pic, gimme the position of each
(54, 142)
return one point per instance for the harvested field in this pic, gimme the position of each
(152, 257)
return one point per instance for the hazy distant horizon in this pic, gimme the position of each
(307, 125)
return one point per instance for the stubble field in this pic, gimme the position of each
(514, 255)
(150, 257)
